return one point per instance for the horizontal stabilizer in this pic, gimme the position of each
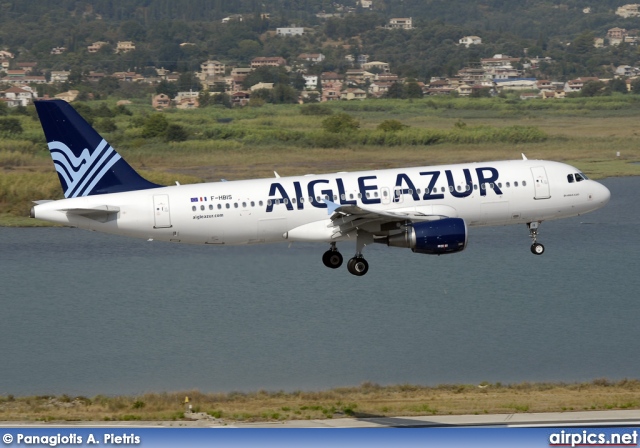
(101, 213)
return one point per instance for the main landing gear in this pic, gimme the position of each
(536, 248)
(332, 258)
(357, 265)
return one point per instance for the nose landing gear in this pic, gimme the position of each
(536, 248)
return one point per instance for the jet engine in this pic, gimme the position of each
(443, 236)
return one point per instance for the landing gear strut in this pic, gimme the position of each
(536, 248)
(358, 265)
(332, 258)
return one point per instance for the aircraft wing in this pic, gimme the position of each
(350, 217)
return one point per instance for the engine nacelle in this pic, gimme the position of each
(443, 236)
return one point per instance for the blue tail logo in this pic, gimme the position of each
(85, 162)
(81, 174)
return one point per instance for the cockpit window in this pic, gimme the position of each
(580, 177)
(570, 178)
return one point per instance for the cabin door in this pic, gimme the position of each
(161, 213)
(540, 183)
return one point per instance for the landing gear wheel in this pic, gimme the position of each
(358, 266)
(332, 259)
(537, 249)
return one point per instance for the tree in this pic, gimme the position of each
(340, 122)
(188, 81)
(592, 88)
(395, 90)
(176, 133)
(618, 85)
(10, 126)
(168, 88)
(106, 125)
(413, 90)
(391, 126)
(154, 126)
(222, 99)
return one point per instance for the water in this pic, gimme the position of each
(85, 313)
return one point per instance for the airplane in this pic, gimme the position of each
(426, 209)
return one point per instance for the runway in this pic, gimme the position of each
(552, 419)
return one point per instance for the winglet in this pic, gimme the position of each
(524, 157)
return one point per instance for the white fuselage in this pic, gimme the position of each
(294, 208)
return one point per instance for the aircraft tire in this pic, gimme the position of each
(537, 249)
(358, 266)
(332, 259)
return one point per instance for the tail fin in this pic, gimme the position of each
(85, 162)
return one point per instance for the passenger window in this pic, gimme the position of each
(475, 186)
(375, 193)
(442, 189)
(268, 203)
(293, 200)
(253, 204)
(244, 205)
(260, 203)
(335, 197)
(227, 205)
(202, 207)
(491, 185)
(524, 183)
(210, 206)
(508, 184)
(285, 200)
(343, 196)
(418, 191)
(194, 208)
(467, 187)
(235, 205)
(384, 193)
(359, 195)
(499, 184)
(301, 200)
(459, 188)
(515, 184)
(483, 186)
(219, 206)
(368, 195)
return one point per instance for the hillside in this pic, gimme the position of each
(561, 30)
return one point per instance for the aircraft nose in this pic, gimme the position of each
(602, 194)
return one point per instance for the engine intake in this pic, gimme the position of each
(443, 236)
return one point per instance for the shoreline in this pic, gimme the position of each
(368, 400)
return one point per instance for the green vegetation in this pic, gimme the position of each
(366, 400)
(559, 30)
(215, 142)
